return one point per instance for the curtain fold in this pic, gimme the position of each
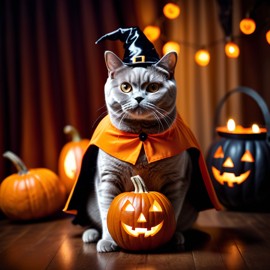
(52, 73)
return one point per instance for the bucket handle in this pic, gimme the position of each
(258, 99)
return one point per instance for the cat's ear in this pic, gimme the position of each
(168, 62)
(113, 62)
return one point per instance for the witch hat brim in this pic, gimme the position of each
(138, 49)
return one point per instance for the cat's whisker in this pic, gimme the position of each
(157, 117)
(160, 124)
(102, 107)
(116, 113)
(158, 111)
(167, 120)
(122, 119)
(99, 118)
(126, 106)
(162, 111)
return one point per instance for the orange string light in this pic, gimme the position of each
(247, 26)
(232, 50)
(152, 32)
(267, 35)
(171, 46)
(202, 57)
(171, 11)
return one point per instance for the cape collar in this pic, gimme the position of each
(127, 146)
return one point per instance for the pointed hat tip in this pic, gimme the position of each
(101, 39)
(138, 49)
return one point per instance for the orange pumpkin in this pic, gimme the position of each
(30, 194)
(141, 220)
(70, 158)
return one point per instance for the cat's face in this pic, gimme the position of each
(141, 98)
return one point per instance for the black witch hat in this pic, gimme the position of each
(138, 49)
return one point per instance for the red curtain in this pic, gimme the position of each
(53, 73)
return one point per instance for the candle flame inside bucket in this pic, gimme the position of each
(231, 125)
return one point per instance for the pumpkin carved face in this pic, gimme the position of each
(141, 225)
(141, 220)
(229, 173)
(239, 169)
(238, 162)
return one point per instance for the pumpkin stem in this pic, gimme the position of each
(19, 164)
(139, 184)
(70, 130)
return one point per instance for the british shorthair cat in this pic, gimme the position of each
(140, 100)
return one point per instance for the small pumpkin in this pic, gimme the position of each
(141, 220)
(30, 194)
(70, 158)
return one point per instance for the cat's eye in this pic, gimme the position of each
(125, 87)
(152, 87)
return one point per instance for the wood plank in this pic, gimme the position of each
(243, 238)
(219, 240)
(35, 248)
(73, 254)
(9, 234)
(183, 260)
(124, 260)
(254, 244)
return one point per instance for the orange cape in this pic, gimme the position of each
(127, 146)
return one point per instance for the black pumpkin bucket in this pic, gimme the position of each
(239, 161)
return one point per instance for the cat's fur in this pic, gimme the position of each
(151, 108)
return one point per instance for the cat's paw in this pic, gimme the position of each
(179, 239)
(90, 236)
(106, 246)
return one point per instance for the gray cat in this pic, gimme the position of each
(141, 101)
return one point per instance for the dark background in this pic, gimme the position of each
(52, 73)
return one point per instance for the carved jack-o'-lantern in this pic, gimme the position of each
(145, 227)
(238, 162)
(141, 220)
(231, 172)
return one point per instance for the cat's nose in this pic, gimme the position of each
(139, 99)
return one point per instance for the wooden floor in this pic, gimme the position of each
(219, 240)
